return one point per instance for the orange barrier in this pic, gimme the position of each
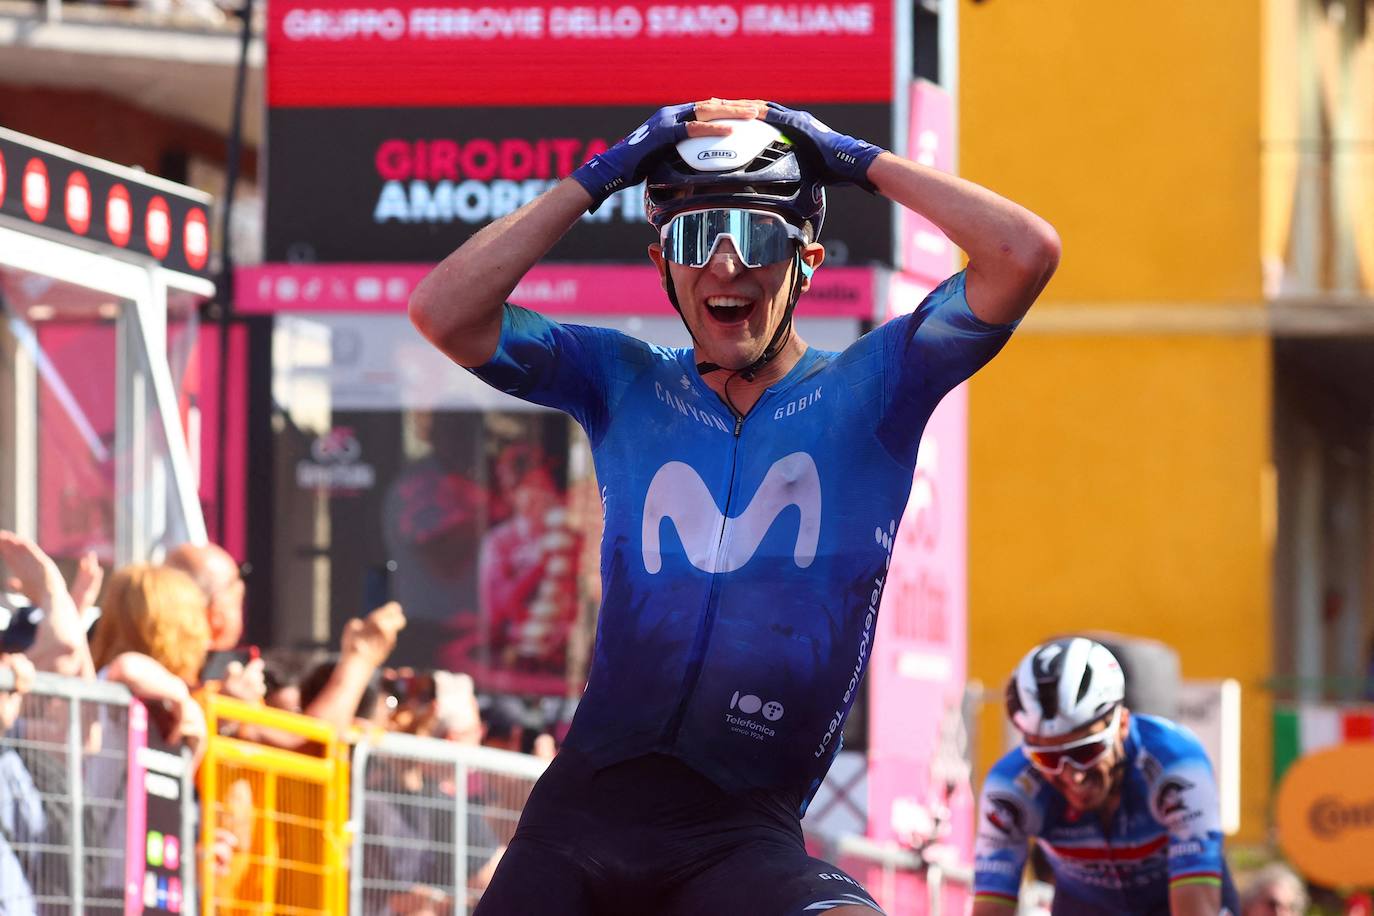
(286, 812)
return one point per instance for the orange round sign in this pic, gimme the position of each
(1326, 815)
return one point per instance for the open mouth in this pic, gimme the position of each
(729, 309)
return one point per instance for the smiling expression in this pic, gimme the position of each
(733, 310)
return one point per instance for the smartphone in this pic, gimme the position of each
(22, 629)
(217, 663)
(377, 586)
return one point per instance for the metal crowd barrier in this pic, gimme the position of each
(898, 877)
(284, 811)
(92, 819)
(431, 819)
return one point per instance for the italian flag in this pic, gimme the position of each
(1309, 727)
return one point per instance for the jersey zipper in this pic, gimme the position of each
(702, 640)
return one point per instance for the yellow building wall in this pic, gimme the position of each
(1133, 127)
(1120, 483)
(1120, 446)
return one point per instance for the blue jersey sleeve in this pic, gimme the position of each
(1008, 817)
(563, 366)
(928, 353)
(1184, 798)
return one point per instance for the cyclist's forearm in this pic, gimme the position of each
(1012, 252)
(1195, 899)
(457, 307)
(986, 907)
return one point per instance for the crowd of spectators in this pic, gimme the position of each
(171, 633)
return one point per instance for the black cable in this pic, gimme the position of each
(232, 156)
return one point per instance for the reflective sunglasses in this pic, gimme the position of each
(760, 237)
(1081, 754)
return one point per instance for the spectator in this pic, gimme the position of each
(153, 637)
(409, 832)
(217, 575)
(1274, 891)
(60, 642)
(159, 612)
(503, 722)
(282, 674)
(366, 644)
(21, 808)
(509, 724)
(315, 681)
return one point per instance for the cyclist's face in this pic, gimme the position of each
(1091, 788)
(733, 310)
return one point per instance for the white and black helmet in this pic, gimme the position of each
(1063, 685)
(754, 165)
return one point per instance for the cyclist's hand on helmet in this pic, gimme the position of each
(842, 159)
(624, 165)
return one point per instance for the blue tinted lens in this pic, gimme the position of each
(760, 238)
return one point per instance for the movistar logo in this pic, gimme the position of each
(678, 493)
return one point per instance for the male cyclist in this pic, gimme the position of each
(746, 543)
(1124, 806)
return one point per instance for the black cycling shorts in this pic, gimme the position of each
(652, 836)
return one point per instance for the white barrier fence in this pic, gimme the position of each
(74, 817)
(430, 820)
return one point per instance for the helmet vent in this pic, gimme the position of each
(1084, 684)
(774, 152)
(1047, 691)
(1014, 705)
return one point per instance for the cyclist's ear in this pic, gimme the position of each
(812, 256)
(1125, 722)
(656, 255)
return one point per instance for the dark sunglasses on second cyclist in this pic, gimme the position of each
(760, 237)
(1081, 754)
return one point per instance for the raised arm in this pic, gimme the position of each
(1012, 252)
(365, 647)
(60, 643)
(457, 307)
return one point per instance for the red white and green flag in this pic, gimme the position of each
(1308, 727)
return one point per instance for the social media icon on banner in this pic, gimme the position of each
(150, 890)
(155, 849)
(171, 852)
(173, 895)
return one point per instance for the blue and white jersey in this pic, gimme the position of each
(743, 559)
(1166, 831)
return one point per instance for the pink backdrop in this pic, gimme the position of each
(925, 252)
(916, 779)
(558, 289)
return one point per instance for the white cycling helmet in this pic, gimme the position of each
(1063, 685)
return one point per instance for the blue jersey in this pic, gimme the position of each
(743, 558)
(1166, 831)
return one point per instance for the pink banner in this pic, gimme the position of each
(135, 811)
(925, 252)
(919, 792)
(557, 289)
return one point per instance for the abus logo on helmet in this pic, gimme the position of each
(717, 154)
